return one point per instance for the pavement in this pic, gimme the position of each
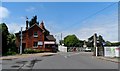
(25, 55)
(112, 59)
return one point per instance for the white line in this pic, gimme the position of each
(65, 56)
(68, 55)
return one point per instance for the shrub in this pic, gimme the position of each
(30, 51)
(11, 53)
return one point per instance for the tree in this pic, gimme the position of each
(5, 34)
(108, 43)
(11, 42)
(61, 42)
(71, 41)
(115, 44)
(33, 21)
(8, 40)
(80, 43)
(99, 42)
(100, 45)
(90, 42)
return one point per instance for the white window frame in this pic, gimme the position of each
(35, 46)
(40, 43)
(35, 35)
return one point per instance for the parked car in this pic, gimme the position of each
(87, 49)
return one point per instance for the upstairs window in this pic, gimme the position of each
(35, 34)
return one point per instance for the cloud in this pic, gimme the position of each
(15, 27)
(36, 8)
(22, 17)
(103, 24)
(108, 32)
(4, 13)
(30, 9)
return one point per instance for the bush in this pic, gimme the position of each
(11, 53)
(30, 51)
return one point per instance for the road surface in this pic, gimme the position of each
(70, 60)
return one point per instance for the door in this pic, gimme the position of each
(23, 47)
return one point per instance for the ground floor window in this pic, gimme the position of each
(49, 46)
(40, 43)
(35, 44)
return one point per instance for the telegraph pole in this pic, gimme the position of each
(95, 45)
(61, 38)
(21, 42)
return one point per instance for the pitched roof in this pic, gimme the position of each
(20, 32)
(50, 38)
(37, 25)
(30, 28)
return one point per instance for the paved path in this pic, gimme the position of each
(60, 61)
(25, 55)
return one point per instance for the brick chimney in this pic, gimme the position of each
(42, 25)
(26, 23)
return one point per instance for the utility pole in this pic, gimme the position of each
(95, 45)
(21, 42)
(61, 38)
(84, 44)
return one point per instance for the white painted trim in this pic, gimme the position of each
(49, 42)
(35, 47)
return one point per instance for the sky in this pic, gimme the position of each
(80, 18)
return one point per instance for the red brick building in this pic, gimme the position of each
(35, 37)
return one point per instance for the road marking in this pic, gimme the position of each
(74, 54)
(68, 55)
(65, 56)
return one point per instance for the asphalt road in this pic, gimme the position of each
(71, 60)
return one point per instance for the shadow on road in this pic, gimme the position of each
(48, 55)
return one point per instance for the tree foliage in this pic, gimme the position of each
(72, 41)
(108, 43)
(61, 42)
(8, 40)
(99, 38)
(33, 21)
(5, 33)
(11, 42)
(101, 41)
